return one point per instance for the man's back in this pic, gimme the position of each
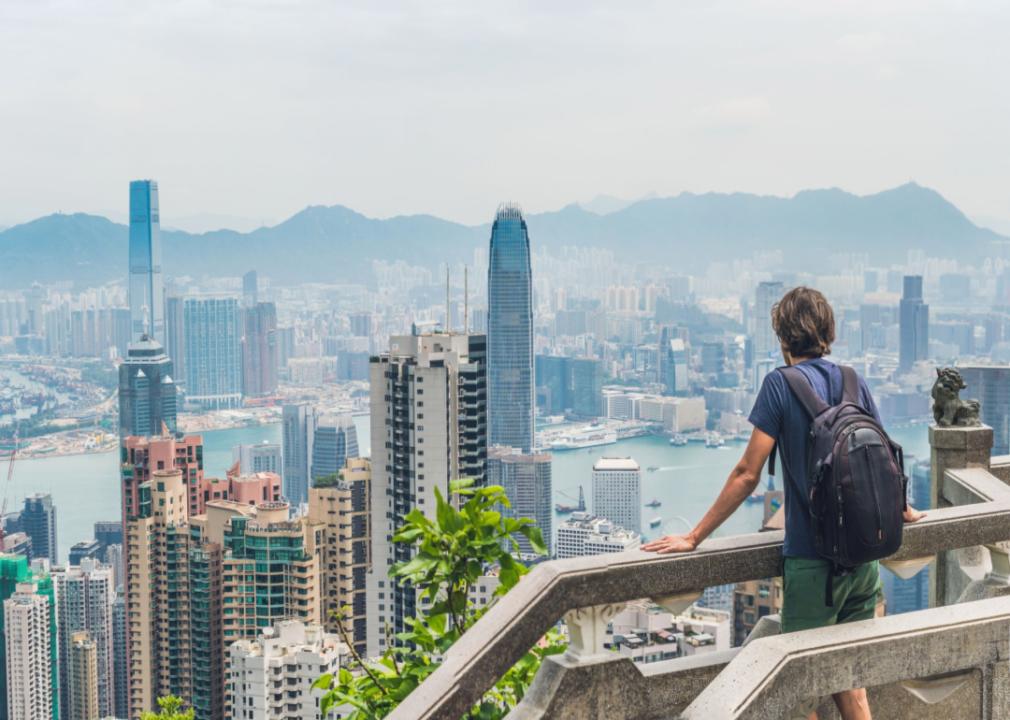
(780, 414)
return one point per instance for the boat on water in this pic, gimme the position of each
(651, 468)
(580, 440)
(714, 440)
(678, 440)
(653, 503)
(655, 522)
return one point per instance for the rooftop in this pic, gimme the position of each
(608, 463)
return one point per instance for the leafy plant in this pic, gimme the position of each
(170, 708)
(468, 534)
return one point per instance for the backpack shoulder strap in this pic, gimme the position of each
(804, 391)
(850, 385)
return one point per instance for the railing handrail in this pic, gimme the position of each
(519, 619)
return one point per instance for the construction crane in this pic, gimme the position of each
(7, 488)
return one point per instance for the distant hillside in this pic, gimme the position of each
(337, 244)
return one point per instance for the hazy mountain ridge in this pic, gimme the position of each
(338, 244)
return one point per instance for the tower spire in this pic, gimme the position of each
(466, 300)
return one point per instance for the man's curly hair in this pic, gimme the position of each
(804, 323)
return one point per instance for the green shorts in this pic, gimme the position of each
(804, 583)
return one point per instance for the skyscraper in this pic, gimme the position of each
(510, 332)
(250, 289)
(261, 457)
(527, 483)
(38, 519)
(429, 427)
(175, 337)
(120, 659)
(213, 353)
(299, 429)
(147, 294)
(765, 343)
(84, 677)
(617, 492)
(147, 396)
(30, 691)
(233, 593)
(334, 440)
(17, 579)
(84, 597)
(914, 324)
(341, 507)
(570, 385)
(291, 655)
(157, 592)
(259, 350)
(672, 362)
(140, 457)
(990, 385)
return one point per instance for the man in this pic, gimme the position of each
(805, 326)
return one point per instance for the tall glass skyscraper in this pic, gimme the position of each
(147, 294)
(213, 353)
(510, 332)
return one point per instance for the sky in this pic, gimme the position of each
(246, 111)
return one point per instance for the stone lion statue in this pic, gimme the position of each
(949, 410)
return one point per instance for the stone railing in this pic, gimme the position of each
(767, 675)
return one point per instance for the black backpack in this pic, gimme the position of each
(857, 478)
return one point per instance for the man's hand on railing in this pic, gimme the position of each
(912, 515)
(672, 544)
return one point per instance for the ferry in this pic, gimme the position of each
(655, 522)
(651, 468)
(580, 440)
(678, 440)
(714, 440)
(653, 503)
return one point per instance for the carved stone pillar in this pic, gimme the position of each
(953, 448)
(587, 631)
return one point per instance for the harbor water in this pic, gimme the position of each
(85, 488)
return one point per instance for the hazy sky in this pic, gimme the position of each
(253, 109)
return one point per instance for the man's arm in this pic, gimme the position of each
(743, 480)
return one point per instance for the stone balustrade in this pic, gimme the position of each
(945, 662)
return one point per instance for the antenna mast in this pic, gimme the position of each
(466, 300)
(448, 318)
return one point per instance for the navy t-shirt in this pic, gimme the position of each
(780, 414)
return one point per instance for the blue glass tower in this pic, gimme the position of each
(213, 353)
(510, 332)
(147, 294)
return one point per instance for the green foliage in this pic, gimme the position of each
(468, 534)
(170, 708)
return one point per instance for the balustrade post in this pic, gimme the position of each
(955, 448)
(587, 631)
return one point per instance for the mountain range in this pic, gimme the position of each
(686, 232)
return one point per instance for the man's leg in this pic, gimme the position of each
(852, 704)
(862, 589)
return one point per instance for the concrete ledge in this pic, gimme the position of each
(772, 676)
(617, 689)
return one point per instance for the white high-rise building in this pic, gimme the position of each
(271, 678)
(261, 457)
(617, 492)
(429, 427)
(583, 534)
(84, 599)
(29, 664)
